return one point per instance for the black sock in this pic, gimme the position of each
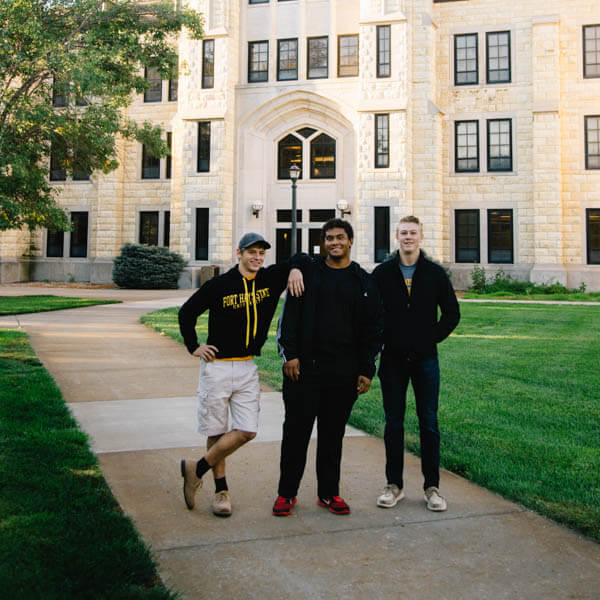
(220, 485)
(202, 467)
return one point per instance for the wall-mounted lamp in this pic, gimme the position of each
(256, 208)
(342, 206)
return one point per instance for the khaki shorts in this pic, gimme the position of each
(228, 386)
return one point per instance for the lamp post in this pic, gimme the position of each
(294, 174)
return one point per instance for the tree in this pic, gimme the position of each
(89, 57)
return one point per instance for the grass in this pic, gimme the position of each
(506, 295)
(16, 305)
(62, 534)
(519, 405)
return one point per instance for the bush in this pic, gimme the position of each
(147, 267)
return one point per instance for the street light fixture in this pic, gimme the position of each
(256, 208)
(344, 208)
(294, 171)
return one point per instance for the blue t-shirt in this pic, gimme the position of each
(407, 273)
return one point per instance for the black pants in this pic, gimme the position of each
(330, 402)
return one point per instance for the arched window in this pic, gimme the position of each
(322, 157)
(289, 153)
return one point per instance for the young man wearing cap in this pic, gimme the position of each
(241, 304)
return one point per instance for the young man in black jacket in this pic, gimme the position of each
(412, 287)
(241, 304)
(328, 340)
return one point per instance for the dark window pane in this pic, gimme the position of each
(382, 233)
(289, 151)
(498, 56)
(465, 59)
(204, 146)
(202, 234)
(318, 57)
(347, 55)
(322, 157)
(466, 146)
(283, 243)
(60, 94)
(382, 140)
(258, 61)
(467, 236)
(499, 144)
(321, 215)
(384, 54)
(591, 51)
(57, 169)
(306, 132)
(169, 156)
(287, 59)
(79, 234)
(592, 142)
(55, 243)
(154, 91)
(149, 228)
(173, 88)
(208, 63)
(258, 1)
(150, 165)
(593, 235)
(285, 215)
(167, 229)
(80, 175)
(500, 236)
(315, 248)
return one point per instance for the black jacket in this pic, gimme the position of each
(411, 325)
(240, 315)
(297, 324)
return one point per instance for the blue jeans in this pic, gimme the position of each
(424, 375)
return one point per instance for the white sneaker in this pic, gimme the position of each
(434, 501)
(390, 496)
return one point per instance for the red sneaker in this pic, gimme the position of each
(335, 505)
(283, 506)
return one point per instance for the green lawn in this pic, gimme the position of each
(62, 534)
(16, 305)
(505, 295)
(519, 406)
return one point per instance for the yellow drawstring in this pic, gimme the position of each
(247, 298)
(255, 311)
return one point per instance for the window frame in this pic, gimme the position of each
(589, 249)
(487, 58)
(476, 70)
(280, 147)
(146, 156)
(313, 144)
(477, 169)
(309, 42)
(66, 238)
(202, 234)
(490, 250)
(158, 91)
(587, 143)
(385, 154)
(279, 69)
(491, 169)
(462, 211)
(381, 229)
(339, 57)
(586, 75)
(208, 80)
(203, 147)
(255, 76)
(386, 52)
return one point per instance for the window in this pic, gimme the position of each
(592, 142)
(283, 243)
(150, 164)
(284, 215)
(287, 59)
(384, 55)
(289, 151)
(259, 1)
(149, 227)
(55, 244)
(499, 145)
(258, 61)
(466, 234)
(498, 56)
(169, 156)
(347, 55)
(78, 242)
(382, 141)
(591, 51)
(318, 57)
(321, 215)
(203, 147)
(208, 63)
(322, 157)
(466, 146)
(79, 175)
(201, 234)
(382, 233)
(465, 59)
(173, 87)
(57, 165)
(500, 236)
(154, 91)
(60, 92)
(593, 235)
(167, 228)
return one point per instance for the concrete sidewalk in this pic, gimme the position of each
(133, 391)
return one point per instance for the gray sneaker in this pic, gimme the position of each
(390, 496)
(434, 501)
(221, 505)
(191, 482)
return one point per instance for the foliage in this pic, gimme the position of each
(17, 305)
(92, 54)
(63, 534)
(147, 267)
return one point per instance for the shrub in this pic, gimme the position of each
(479, 280)
(147, 267)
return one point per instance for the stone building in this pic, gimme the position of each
(482, 117)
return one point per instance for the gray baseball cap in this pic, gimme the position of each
(253, 239)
